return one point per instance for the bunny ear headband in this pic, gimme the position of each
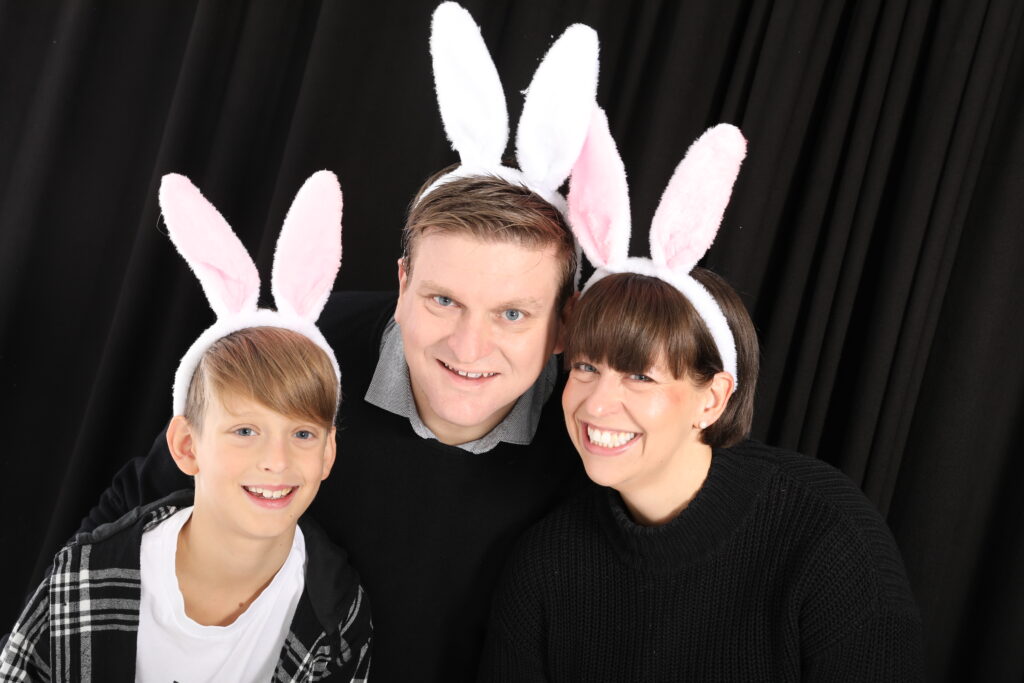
(306, 262)
(684, 225)
(555, 114)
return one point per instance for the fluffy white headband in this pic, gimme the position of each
(684, 225)
(555, 115)
(306, 262)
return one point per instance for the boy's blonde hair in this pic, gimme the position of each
(279, 368)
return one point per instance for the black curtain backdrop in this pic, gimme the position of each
(875, 231)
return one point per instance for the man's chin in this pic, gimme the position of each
(475, 418)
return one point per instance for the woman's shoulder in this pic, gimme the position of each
(569, 530)
(835, 524)
(803, 475)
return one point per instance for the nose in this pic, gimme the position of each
(471, 339)
(274, 456)
(605, 396)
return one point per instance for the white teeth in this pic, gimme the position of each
(470, 375)
(609, 439)
(268, 495)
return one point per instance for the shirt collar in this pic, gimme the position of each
(390, 389)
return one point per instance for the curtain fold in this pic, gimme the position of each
(875, 231)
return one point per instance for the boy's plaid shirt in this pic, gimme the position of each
(81, 623)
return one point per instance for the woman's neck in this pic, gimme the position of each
(660, 499)
(221, 574)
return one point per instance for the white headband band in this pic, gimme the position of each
(684, 225)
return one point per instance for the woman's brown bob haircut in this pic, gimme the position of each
(630, 322)
(491, 210)
(283, 370)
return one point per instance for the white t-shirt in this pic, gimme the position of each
(172, 647)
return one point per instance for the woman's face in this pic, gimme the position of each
(632, 430)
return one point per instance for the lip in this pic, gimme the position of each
(596, 449)
(271, 504)
(466, 381)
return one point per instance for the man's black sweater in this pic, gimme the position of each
(778, 570)
(427, 526)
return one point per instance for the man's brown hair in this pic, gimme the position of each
(281, 369)
(491, 210)
(632, 321)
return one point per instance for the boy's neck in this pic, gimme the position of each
(220, 574)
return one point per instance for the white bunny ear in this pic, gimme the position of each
(469, 92)
(308, 251)
(558, 108)
(211, 248)
(691, 209)
(599, 196)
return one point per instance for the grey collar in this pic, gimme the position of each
(390, 389)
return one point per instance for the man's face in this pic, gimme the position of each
(478, 321)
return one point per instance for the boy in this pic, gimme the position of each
(222, 583)
(228, 586)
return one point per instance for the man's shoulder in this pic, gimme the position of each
(363, 309)
(353, 324)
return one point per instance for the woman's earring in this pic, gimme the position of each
(703, 424)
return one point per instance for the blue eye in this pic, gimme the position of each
(640, 378)
(305, 434)
(441, 300)
(584, 367)
(245, 431)
(512, 315)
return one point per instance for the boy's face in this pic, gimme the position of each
(256, 470)
(478, 322)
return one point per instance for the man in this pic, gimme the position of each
(449, 446)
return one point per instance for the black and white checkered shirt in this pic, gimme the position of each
(81, 623)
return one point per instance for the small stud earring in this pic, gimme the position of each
(703, 424)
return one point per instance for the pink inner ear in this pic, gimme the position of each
(599, 196)
(691, 209)
(209, 246)
(309, 249)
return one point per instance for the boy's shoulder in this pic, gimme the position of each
(135, 522)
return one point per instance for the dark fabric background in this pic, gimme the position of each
(875, 232)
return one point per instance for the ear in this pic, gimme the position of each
(557, 108)
(330, 452)
(691, 209)
(181, 442)
(469, 92)
(718, 393)
(209, 246)
(403, 273)
(403, 283)
(599, 196)
(308, 251)
(563, 322)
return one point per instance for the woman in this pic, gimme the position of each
(700, 556)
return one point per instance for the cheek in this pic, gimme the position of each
(572, 396)
(531, 349)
